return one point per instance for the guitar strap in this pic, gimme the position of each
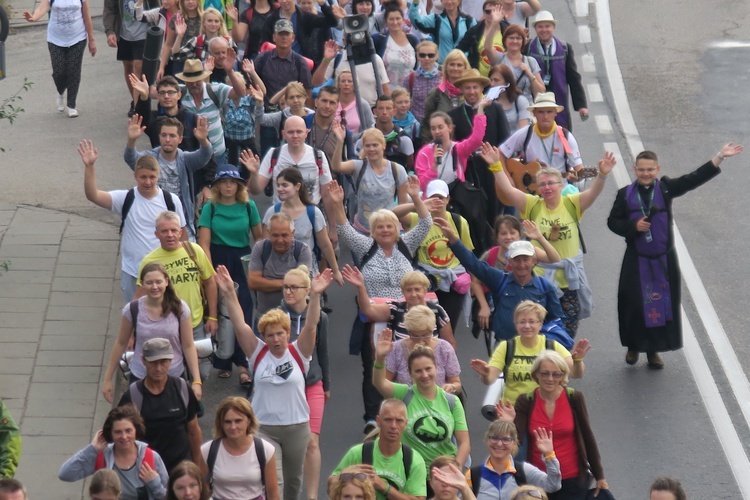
(566, 145)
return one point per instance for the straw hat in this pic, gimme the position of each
(546, 100)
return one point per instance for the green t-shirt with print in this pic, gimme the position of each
(391, 469)
(431, 424)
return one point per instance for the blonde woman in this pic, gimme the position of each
(378, 181)
(212, 26)
(446, 95)
(280, 367)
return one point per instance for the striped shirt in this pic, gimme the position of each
(240, 123)
(212, 112)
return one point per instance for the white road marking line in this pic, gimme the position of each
(589, 65)
(728, 44)
(595, 92)
(603, 124)
(738, 382)
(582, 8)
(584, 34)
(717, 410)
(621, 170)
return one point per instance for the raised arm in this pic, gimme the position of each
(338, 166)
(330, 50)
(89, 155)
(306, 339)
(493, 56)
(338, 214)
(383, 347)
(245, 335)
(606, 164)
(374, 312)
(495, 159)
(40, 11)
(239, 28)
(547, 253)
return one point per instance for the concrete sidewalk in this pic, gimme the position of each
(59, 314)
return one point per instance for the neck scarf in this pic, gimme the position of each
(449, 89)
(428, 74)
(540, 134)
(651, 248)
(407, 121)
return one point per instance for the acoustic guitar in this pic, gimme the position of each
(523, 177)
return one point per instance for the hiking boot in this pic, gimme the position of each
(631, 357)
(654, 361)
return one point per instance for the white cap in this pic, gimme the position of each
(521, 248)
(437, 186)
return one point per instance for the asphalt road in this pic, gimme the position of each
(686, 96)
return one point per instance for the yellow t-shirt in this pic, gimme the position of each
(519, 379)
(484, 63)
(434, 250)
(568, 241)
(184, 275)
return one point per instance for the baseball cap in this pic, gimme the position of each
(156, 349)
(437, 186)
(283, 25)
(521, 248)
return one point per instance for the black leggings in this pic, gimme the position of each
(66, 68)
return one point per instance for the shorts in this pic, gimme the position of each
(129, 50)
(316, 400)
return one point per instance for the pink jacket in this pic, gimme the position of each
(424, 165)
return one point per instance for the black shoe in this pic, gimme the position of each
(131, 111)
(654, 361)
(369, 427)
(631, 357)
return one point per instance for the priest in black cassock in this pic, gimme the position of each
(648, 297)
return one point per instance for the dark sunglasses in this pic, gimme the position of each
(430, 56)
(342, 116)
(345, 477)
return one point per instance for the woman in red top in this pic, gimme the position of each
(562, 412)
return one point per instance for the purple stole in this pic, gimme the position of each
(651, 248)
(557, 72)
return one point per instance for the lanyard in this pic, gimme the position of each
(650, 202)
(551, 150)
(546, 57)
(325, 137)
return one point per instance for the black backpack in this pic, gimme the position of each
(406, 452)
(260, 452)
(130, 198)
(393, 147)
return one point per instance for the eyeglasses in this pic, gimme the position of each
(547, 184)
(501, 439)
(427, 56)
(345, 477)
(530, 494)
(167, 93)
(292, 288)
(554, 375)
(650, 170)
(516, 38)
(527, 322)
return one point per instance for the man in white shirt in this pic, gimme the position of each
(312, 163)
(138, 208)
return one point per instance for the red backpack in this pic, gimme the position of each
(148, 458)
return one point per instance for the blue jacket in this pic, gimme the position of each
(439, 27)
(507, 293)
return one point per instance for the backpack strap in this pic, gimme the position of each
(408, 396)
(126, 205)
(459, 226)
(297, 249)
(365, 165)
(134, 315)
(277, 208)
(368, 452)
(148, 457)
(261, 354)
(407, 457)
(266, 252)
(296, 355)
(476, 478)
(215, 99)
(451, 401)
(401, 245)
(369, 254)
(168, 200)
(520, 474)
(136, 394)
(260, 452)
(510, 352)
(275, 152)
(311, 216)
(213, 451)
(183, 391)
(100, 463)
(526, 140)
(411, 82)
(492, 255)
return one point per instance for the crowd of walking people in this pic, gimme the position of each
(435, 173)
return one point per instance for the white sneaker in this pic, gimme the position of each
(60, 103)
(72, 113)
